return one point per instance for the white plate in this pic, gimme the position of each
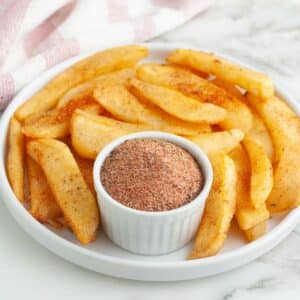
(104, 257)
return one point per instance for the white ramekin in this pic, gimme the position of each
(151, 233)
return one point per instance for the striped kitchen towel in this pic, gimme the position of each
(37, 34)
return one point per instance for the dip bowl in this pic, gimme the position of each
(151, 232)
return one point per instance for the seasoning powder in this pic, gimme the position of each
(151, 175)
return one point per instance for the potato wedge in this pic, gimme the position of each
(56, 123)
(86, 89)
(100, 63)
(261, 181)
(90, 134)
(15, 159)
(260, 134)
(281, 121)
(86, 169)
(285, 194)
(176, 104)
(72, 194)
(43, 205)
(219, 209)
(255, 82)
(181, 80)
(125, 106)
(230, 88)
(246, 214)
(284, 128)
(256, 232)
(238, 114)
(113, 122)
(218, 142)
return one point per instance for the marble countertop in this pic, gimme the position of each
(265, 33)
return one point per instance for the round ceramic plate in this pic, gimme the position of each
(102, 255)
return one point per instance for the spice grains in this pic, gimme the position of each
(151, 175)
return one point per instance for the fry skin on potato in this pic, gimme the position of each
(86, 169)
(256, 232)
(219, 209)
(103, 120)
(71, 192)
(125, 106)
(43, 205)
(284, 128)
(181, 80)
(261, 135)
(56, 123)
(246, 214)
(230, 88)
(100, 63)
(281, 121)
(238, 115)
(218, 142)
(285, 193)
(255, 82)
(176, 104)
(15, 159)
(261, 181)
(86, 90)
(90, 134)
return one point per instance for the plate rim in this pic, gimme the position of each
(36, 230)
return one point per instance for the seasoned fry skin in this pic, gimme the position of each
(261, 135)
(125, 106)
(56, 123)
(71, 192)
(246, 214)
(176, 104)
(86, 169)
(218, 142)
(261, 181)
(86, 89)
(181, 80)
(256, 232)
(284, 128)
(100, 63)
(15, 158)
(238, 115)
(255, 82)
(43, 205)
(90, 134)
(219, 210)
(230, 89)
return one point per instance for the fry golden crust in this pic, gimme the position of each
(219, 210)
(246, 214)
(255, 82)
(43, 205)
(86, 89)
(56, 123)
(218, 142)
(261, 135)
(15, 159)
(86, 169)
(100, 63)
(238, 115)
(176, 104)
(125, 106)
(261, 181)
(90, 134)
(71, 192)
(284, 128)
(256, 232)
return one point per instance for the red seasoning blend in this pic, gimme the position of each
(151, 175)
